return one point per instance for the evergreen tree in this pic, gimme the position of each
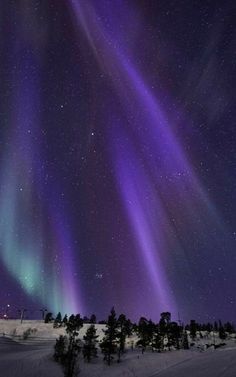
(93, 319)
(124, 331)
(128, 327)
(65, 319)
(165, 318)
(78, 321)
(145, 332)
(58, 321)
(193, 328)
(164, 323)
(67, 348)
(73, 326)
(90, 340)
(164, 326)
(216, 326)
(209, 327)
(109, 343)
(151, 327)
(174, 334)
(185, 341)
(60, 349)
(135, 328)
(229, 327)
(222, 334)
(48, 318)
(86, 319)
(157, 340)
(142, 333)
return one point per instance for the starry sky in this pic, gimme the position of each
(117, 157)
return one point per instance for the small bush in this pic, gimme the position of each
(28, 332)
(60, 349)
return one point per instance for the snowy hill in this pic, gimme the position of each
(32, 357)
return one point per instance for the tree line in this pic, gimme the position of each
(156, 337)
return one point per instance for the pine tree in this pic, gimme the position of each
(157, 340)
(86, 319)
(165, 318)
(144, 333)
(164, 323)
(109, 343)
(93, 319)
(70, 364)
(229, 327)
(65, 319)
(48, 318)
(174, 334)
(222, 334)
(58, 321)
(128, 327)
(90, 340)
(60, 349)
(209, 327)
(124, 331)
(164, 326)
(185, 341)
(215, 326)
(193, 328)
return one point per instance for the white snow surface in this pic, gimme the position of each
(34, 357)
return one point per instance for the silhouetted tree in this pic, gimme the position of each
(193, 328)
(185, 340)
(164, 322)
(209, 327)
(157, 340)
(86, 319)
(166, 318)
(145, 331)
(109, 343)
(90, 340)
(216, 326)
(48, 318)
(128, 327)
(102, 322)
(164, 326)
(58, 321)
(70, 365)
(65, 319)
(124, 326)
(60, 349)
(174, 334)
(93, 319)
(222, 334)
(229, 327)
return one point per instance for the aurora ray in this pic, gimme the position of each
(26, 239)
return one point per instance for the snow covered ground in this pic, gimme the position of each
(33, 357)
(220, 363)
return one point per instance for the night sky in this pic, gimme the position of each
(118, 157)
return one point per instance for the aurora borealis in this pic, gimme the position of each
(117, 157)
